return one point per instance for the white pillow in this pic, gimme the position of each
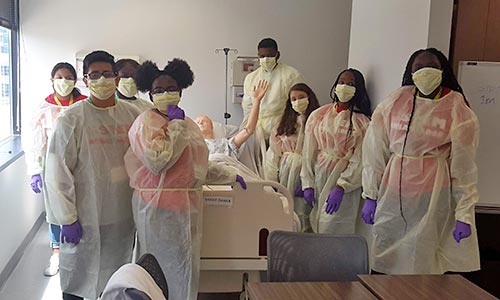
(224, 131)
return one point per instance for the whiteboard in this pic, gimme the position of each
(481, 84)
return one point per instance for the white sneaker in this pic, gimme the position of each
(53, 267)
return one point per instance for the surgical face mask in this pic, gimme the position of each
(127, 87)
(63, 86)
(427, 80)
(267, 63)
(161, 101)
(345, 92)
(300, 105)
(102, 88)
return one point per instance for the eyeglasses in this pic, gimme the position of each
(97, 75)
(161, 91)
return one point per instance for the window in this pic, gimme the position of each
(5, 90)
(6, 84)
(9, 62)
(4, 71)
(4, 43)
(10, 115)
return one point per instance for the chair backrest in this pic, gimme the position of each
(151, 265)
(294, 256)
(135, 281)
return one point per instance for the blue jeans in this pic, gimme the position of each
(55, 235)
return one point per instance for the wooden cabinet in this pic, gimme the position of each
(492, 40)
(476, 31)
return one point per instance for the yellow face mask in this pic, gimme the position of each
(345, 92)
(267, 63)
(102, 88)
(300, 105)
(161, 101)
(63, 86)
(127, 87)
(427, 80)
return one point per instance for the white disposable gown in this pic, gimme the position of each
(284, 163)
(272, 106)
(438, 183)
(86, 181)
(331, 157)
(139, 103)
(41, 126)
(168, 164)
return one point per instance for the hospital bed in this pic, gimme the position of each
(236, 223)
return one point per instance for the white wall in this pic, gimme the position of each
(20, 209)
(440, 25)
(313, 36)
(385, 33)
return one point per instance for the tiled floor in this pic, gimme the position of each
(27, 281)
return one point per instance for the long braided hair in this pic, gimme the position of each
(448, 80)
(360, 102)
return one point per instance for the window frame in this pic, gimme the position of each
(10, 147)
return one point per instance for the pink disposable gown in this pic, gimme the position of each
(331, 157)
(438, 184)
(168, 163)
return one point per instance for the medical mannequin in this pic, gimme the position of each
(230, 146)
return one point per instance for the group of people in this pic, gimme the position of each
(114, 167)
(122, 173)
(419, 186)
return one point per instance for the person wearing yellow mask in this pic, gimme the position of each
(281, 78)
(167, 164)
(88, 188)
(127, 88)
(331, 170)
(420, 174)
(284, 156)
(63, 78)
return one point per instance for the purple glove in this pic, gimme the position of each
(174, 112)
(36, 183)
(241, 181)
(462, 231)
(368, 211)
(309, 196)
(334, 200)
(298, 191)
(71, 233)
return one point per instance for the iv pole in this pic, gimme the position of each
(226, 51)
